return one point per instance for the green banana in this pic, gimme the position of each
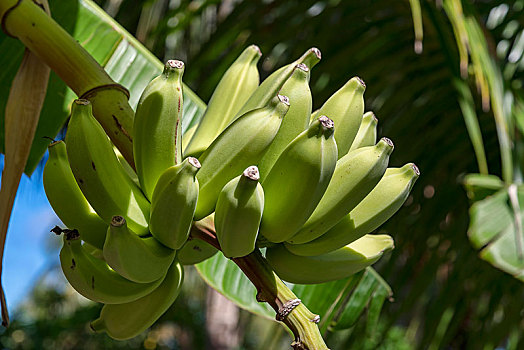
(128, 169)
(367, 132)
(125, 321)
(331, 266)
(157, 142)
(238, 212)
(272, 84)
(99, 174)
(356, 174)
(195, 251)
(375, 209)
(173, 203)
(345, 107)
(140, 260)
(67, 200)
(296, 88)
(94, 279)
(242, 143)
(297, 181)
(94, 251)
(187, 137)
(233, 90)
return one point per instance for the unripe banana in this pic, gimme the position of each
(67, 200)
(174, 202)
(272, 84)
(356, 174)
(345, 107)
(128, 169)
(195, 251)
(112, 110)
(332, 266)
(238, 212)
(157, 142)
(94, 251)
(94, 279)
(140, 260)
(233, 90)
(242, 143)
(125, 321)
(367, 132)
(297, 118)
(297, 181)
(378, 206)
(187, 137)
(99, 174)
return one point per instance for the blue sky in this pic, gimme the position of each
(30, 247)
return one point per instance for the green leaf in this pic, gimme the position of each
(329, 300)
(123, 57)
(375, 306)
(224, 276)
(370, 286)
(496, 229)
(479, 186)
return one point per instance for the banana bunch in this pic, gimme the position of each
(260, 169)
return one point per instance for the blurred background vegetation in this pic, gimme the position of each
(434, 94)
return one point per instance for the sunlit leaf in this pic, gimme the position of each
(494, 229)
(333, 299)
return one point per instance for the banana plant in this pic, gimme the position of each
(127, 68)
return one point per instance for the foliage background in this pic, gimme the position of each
(444, 295)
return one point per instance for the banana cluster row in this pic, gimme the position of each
(260, 169)
(309, 186)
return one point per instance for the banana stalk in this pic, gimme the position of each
(26, 21)
(270, 289)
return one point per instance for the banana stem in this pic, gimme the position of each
(270, 289)
(27, 21)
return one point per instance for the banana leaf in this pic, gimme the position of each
(339, 303)
(496, 229)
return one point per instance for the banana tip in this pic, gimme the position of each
(252, 173)
(360, 82)
(284, 99)
(257, 49)
(388, 141)
(415, 169)
(82, 102)
(118, 221)
(54, 143)
(194, 162)
(317, 52)
(71, 235)
(302, 67)
(175, 64)
(97, 325)
(326, 122)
